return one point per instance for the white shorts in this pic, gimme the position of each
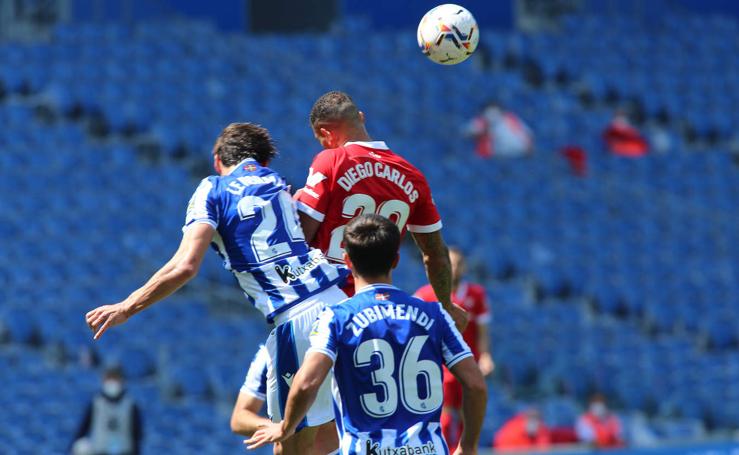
(286, 345)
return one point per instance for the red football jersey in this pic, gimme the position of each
(473, 299)
(364, 177)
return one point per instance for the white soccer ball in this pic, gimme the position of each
(448, 34)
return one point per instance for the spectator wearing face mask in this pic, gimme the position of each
(112, 421)
(524, 431)
(598, 426)
(500, 133)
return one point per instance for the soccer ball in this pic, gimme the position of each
(448, 34)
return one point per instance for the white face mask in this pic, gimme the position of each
(598, 409)
(112, 388)
(532, 426)
(493, 114)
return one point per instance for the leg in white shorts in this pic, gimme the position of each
(287, 345)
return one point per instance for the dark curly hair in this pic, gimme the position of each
(239, 141)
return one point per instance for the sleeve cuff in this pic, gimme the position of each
(458, 359)
(253, 393)
(208, 221)
(310, 211)
(325, 351)
(425, 229)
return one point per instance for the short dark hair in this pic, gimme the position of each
(372, 243)
(113, 371)
(239, 141)
(334, 108)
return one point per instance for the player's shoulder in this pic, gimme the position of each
(476, 290)
(329, 157)
(262, 353)
(211, 181)
(208, 187)
(398, 159)
(340, 308)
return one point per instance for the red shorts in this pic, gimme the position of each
(452, 390)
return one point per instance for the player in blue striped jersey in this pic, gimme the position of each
(386, 349)
(245, 418)
(247, 214)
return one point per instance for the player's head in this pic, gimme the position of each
(239, 141)
(459, 265)
(335, 119)
(371, 244)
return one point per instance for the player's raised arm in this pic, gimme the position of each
(439, 272)
(183, 266)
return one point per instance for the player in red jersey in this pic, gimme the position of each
(473, 299)
(356, 175)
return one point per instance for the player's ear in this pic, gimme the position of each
(217, 164)
(348, 261)
(325, 137)
(396, 260)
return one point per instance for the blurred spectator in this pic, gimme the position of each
(498, 132)
(660, 139)
(55, 354)
(473, 298)
(87, 357)
(598, 426)
(623, 139)
(577, 158)
(112, 421)
(524, 431)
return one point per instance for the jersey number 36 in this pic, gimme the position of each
(409, 369)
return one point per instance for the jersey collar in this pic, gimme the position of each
(241, 164)
(377, 145)
(375, 287)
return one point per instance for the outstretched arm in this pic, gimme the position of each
(173, 275)
(439, 272)
(303, 392)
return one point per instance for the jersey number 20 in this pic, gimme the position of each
(357, 204)
(410, 370)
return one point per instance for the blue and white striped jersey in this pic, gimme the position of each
(388, 348)
(255, 382)
(259, 237)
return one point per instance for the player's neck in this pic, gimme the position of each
(361, 282)
(357, 135)
(227, 170)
